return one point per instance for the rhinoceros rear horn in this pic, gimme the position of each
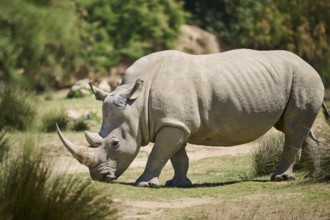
(84, 155)
(93, 139)
(98, 93)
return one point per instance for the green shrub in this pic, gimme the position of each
(80, 125)
(324, 164)
(123, 31)
(51, 118)
(44, 42)
(298, 26)
(29, 192)
(39, 41)
(266, 157)
(16, 107)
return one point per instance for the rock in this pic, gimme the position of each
(80, 89)
(194, 40)
(104, 85)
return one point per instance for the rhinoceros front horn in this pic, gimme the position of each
(84, 155)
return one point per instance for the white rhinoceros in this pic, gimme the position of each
(172, 98)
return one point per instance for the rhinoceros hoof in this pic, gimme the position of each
(282, 177)
(151, 184)
(183, 182)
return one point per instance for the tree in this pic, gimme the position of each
(39, 40)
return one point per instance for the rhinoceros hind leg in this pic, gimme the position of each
(180, 163)
(169, 140)
(291, 151)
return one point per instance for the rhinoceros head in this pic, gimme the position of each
(113, 149)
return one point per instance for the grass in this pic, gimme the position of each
(219, 192)
(80, 125)
(17, 108)
(28, 191)
(58, 116)
(266, 157)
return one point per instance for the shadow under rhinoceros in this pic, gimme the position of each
(202, 185)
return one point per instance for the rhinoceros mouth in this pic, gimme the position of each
(104, 172)
(108, 178)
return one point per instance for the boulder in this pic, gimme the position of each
(194, 40)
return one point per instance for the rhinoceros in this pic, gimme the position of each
(172, 98)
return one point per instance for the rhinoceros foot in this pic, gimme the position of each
(153, 183)
(282, 177)
(179, 182)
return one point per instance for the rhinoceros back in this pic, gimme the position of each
(223, 99)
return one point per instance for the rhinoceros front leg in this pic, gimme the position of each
(180, 163)
(168, 141)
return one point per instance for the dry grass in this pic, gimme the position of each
(27, 190)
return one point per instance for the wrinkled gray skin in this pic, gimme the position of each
(172, 98)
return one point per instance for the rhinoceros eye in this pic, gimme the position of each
(115, 143)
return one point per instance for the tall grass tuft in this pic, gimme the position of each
(28, 191)
(80, 125)
(266, 157)
(16, 107)
(324, 164)
(51, 118)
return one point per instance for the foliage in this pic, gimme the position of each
(324, 171)
(44, 42)
(4, 146)
(80, 125)
(39, 41)
(123, 31)
(27, 190)
(16, 107)
(299, 26)
(267, 156)
(52, 117)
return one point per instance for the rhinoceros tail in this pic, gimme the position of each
(326, 113)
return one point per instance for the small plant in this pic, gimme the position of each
(49, 120)
(267, 156)
(325, 164)
(80, 125)
(28, 191)
(4, 146)
(16, 107)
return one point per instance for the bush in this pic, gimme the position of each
(27, 190)
(123, 31)
(39, 41)
(324, 173)
(267, 156)
(16, 107)
(80, 125)
(298, 26)
(51, 118)
(44, 42)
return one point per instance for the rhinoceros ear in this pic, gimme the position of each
(122, 97)
(136, 90)
(98, 93)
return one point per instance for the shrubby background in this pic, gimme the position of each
(44, 44)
